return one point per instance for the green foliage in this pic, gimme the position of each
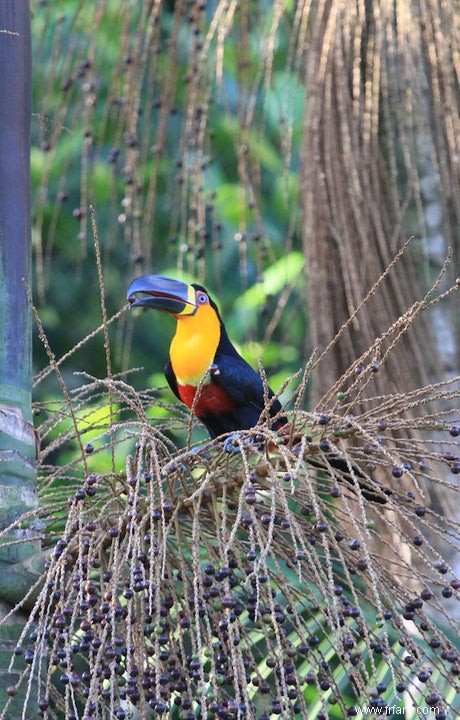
(91, 145)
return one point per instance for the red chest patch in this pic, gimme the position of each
(213, 399)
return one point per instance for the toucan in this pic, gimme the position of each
(232, 396)
(206, 372)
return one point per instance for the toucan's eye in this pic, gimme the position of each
(202, 298)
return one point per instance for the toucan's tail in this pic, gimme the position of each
(371, 489)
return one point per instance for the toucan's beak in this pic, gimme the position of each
(162, 293)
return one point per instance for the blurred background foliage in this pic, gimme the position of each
(185, 127)
(207, 139)
(130, 120)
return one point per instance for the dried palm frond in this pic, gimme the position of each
(264, 582)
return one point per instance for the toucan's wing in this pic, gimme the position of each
(244, 385)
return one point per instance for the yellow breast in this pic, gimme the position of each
(194, 345)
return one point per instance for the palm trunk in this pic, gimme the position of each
(17, 442)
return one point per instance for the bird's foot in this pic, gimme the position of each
(234, 442)
(202, 450)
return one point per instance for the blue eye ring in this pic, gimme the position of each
(202, 298)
